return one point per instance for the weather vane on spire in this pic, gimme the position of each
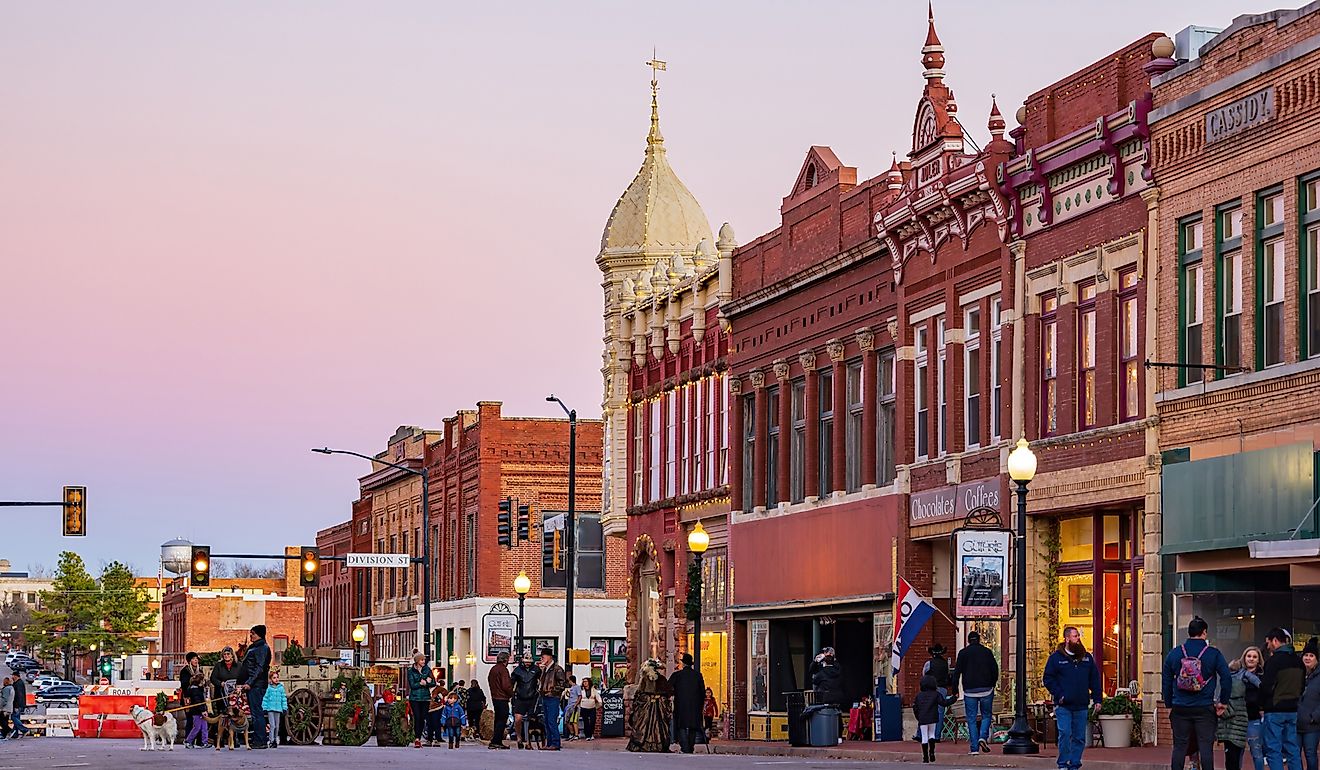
(656, 66)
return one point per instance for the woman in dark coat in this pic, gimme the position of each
(476, 706)
(224, 679)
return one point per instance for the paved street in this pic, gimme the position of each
(121, 754)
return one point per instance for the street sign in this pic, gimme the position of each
(379, 560)
(346, 657)
(386, 676)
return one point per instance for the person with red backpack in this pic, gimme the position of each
(1191, 677)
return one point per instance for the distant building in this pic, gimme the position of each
(17, 587)
(328, 624)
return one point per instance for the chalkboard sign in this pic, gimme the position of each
(611, 725)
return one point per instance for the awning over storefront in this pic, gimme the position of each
(840, 604)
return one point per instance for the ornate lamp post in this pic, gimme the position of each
(521, 584)
(360, 638)
(698, 542)
(1021, 468)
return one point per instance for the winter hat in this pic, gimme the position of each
(259, 630)
(937, 649)
(687, 659)
(974, 637)
(1312, 646)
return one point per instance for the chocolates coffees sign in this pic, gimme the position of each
(936, 506)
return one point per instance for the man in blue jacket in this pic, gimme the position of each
(1073, 679)
(1192, 673)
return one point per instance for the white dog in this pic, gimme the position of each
(166, 733)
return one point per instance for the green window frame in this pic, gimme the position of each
(1264, 233)
(1189, 258)
(1228, 245)
(1308, 263)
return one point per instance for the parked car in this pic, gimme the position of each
(24, 664)
(46, 681)
(63, 692)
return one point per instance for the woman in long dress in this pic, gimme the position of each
(651, 711)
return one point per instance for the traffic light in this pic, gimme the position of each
(105, 665)
(505, 522)
(200, 574)
(310, 572)
(524, 522)
(75, 512)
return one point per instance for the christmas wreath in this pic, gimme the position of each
(353, 718)
(400, 724)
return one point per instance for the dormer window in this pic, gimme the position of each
(811, 176)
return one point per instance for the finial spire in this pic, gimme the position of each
(932, 54)
(996, 123)
(654, 137)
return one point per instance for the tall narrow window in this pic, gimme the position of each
(711, 389)
(1310, 263)
(972, 375)
(772, 449)
(722, 419)
(684, 444)
(996, 369)
(671, 444)
(1191, 291)
(921, 395)
(639, 453)
(697, 436)
(1086, 412)
(853, 437)
(1049, 365)
(941, 389)
(1129, 394)
(884, 418)
(749, 451)
(1270, 272)
(653, 458)
(825, 433)
(1228, 279)
(797, 446)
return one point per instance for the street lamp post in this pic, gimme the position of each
(426, 533)
(1021, 468)
(521, 584)
(571, 524)
(359, 641)
(698, 542)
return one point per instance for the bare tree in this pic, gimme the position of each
(38, 571)
(245, 569)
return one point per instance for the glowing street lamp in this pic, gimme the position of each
(360, 637)
(521, 584)
(1022, 469)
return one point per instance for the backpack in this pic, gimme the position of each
(1190, 677)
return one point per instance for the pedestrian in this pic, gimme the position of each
(827, 680)
(256, 673)
(1192, 674)
(6, 704)
(1308, 707)
(976, 674)
(420, 680)
(710, 711)
(275, 703)
(1281, 686)
(475, 707)
(1252, 666)
(452, 719)
(689, 700)
(1232, 731)
(938, 667)
(571, 698)
(554, 681)
(526, 691)
(587, 707)
(501, 692)
(224, 679)
(434, 721)
(192, 689)
(926, 708)
(20, 705)
(650, 712)
(1073, 680)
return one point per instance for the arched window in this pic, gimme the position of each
(811, 176)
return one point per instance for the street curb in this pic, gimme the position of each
(962, 760)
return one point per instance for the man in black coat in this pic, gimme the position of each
(976, 673)
(689, 699)
(256, 676)
(827, 680)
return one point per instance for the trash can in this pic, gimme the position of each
(822, 725)
(797, 726)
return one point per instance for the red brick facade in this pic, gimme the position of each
(329, 603)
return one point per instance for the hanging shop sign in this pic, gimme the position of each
(980, 569)
(499, 627)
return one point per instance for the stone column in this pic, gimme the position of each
(870, 392)
(1152, 599)
(811, 462)
(762, 433)
(838, 474)
(1018, 250)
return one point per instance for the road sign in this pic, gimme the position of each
(346, 657)
(379, 560)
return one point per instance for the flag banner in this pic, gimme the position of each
(912, 613)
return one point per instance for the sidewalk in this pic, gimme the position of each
(950, 754)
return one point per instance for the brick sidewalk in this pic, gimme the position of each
(1143, 758)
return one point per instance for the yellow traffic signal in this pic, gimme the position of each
(75, 512)
(200, 566)
(310, 572)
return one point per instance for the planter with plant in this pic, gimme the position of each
(1117, 717)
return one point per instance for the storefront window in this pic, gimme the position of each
(1099, 590)
(1076, 538)
(759, 664)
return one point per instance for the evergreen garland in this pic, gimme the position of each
(692, 607)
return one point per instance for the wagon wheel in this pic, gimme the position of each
(304, 717)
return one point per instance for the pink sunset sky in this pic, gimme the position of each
(231, 232)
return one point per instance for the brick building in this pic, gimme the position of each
(813, 411)
(1237, 161)
(208, 619)
(483, 458)
(329, 603)
(665, 407)
(1078, 230)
